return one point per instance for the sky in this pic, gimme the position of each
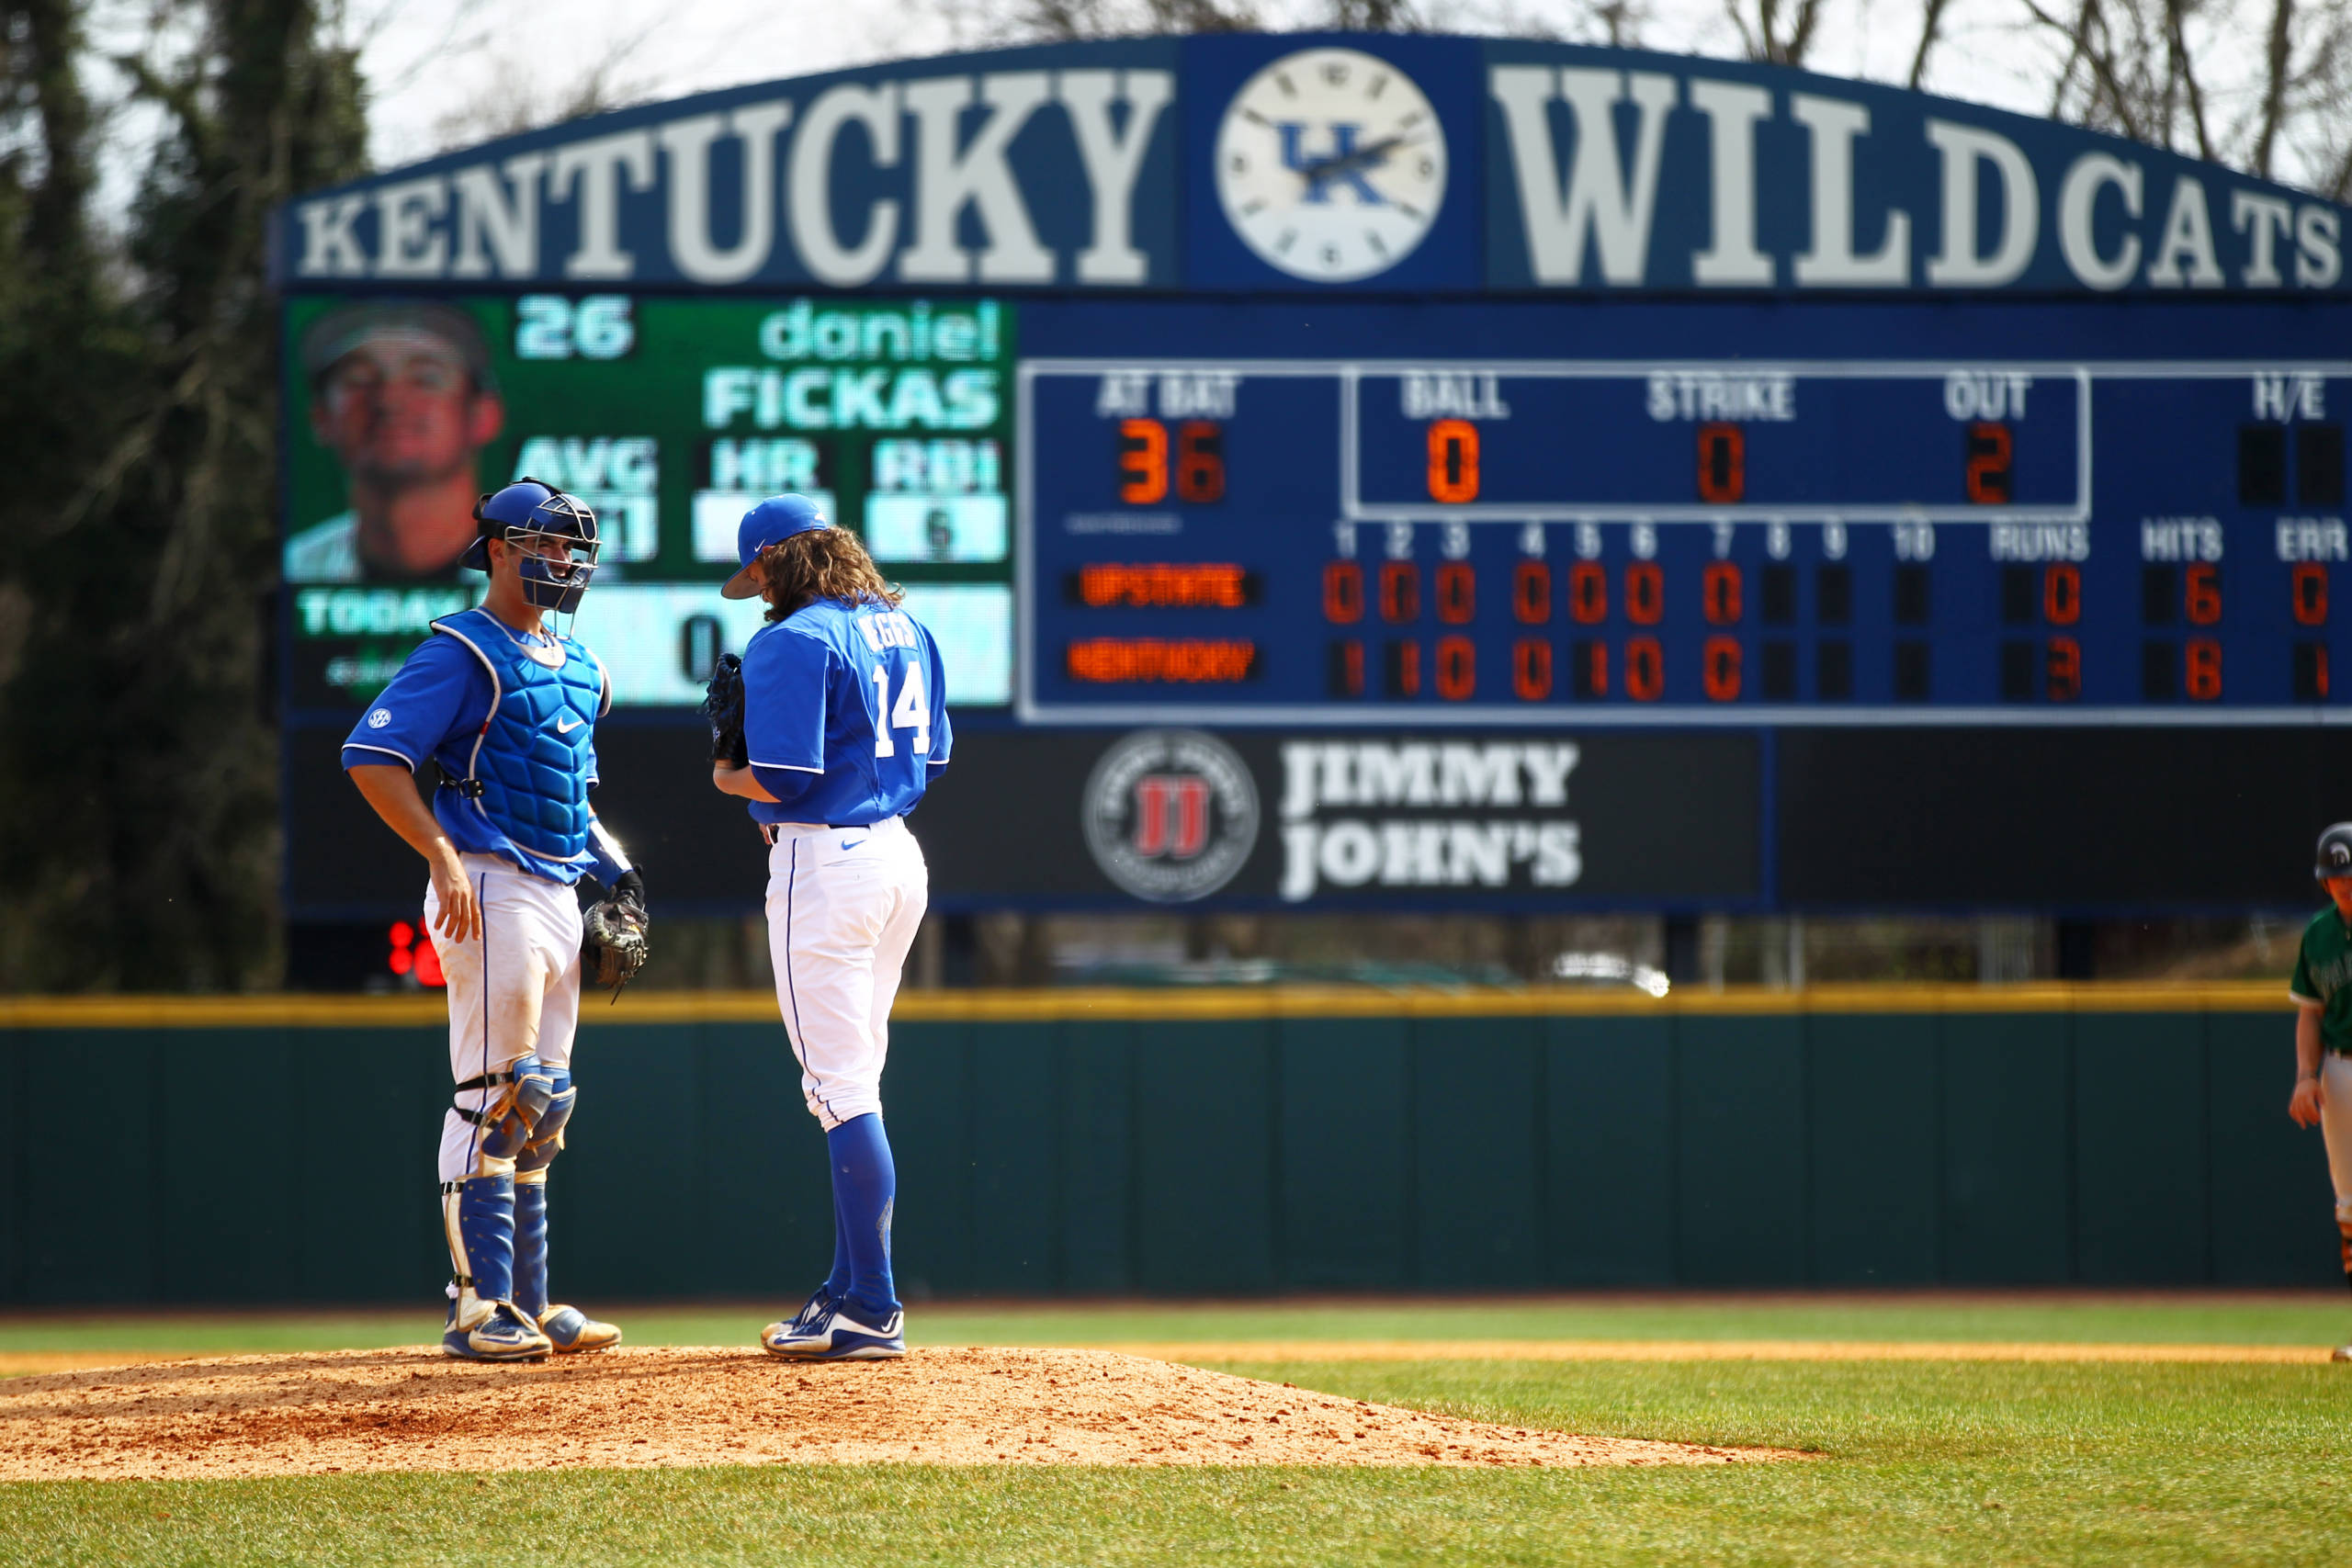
(448, 72)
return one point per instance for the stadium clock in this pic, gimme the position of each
(1330, 164)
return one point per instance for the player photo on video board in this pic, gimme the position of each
(669, 418)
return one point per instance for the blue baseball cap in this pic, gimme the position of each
(772, 522)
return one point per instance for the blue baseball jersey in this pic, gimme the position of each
(844, 714)
(437, 706)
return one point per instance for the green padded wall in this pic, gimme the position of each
(1233, 1156)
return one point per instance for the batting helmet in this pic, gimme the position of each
(2334, 853)
(531, 512)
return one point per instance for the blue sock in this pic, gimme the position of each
(866, 1184)
(837, 1282)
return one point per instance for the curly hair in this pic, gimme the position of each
(823, 563)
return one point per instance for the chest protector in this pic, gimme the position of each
(529, 774)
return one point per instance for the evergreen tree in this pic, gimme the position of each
(139, 391)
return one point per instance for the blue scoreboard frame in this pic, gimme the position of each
(1681, 513)
(1876, 496)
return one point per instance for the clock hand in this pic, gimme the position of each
(1323, 169)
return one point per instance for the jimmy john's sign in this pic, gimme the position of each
(1232, 817)
(1335, 161)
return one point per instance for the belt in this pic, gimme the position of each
(767, 830)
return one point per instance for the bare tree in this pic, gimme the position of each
(1930, 30)
(536, 100)
(1070, 21)
(2275, 62)
(1774, 34)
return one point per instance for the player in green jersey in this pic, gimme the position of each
(2322, 991)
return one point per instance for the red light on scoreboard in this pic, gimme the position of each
(1342, 592)
(2309, 586)
(2201, 594)
(414, 954)
(1719, 669)
(2201, 669)
(1588, 594)
(1117, 661)
(2061, 593)
(1144, 450)
(1453, 462)
(1530, 669)
(1143, 461)
(1457, 593)
(1645, 669)
(1216, 585)
(1645, 594)
(2063, 668)
(1400, 590)
(1989, 453)
(1530, 593)
(1457, 668)
(1722, 465)
(1719, 592)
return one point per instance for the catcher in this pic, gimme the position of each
(507, 709)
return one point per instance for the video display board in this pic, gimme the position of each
(670, 418)
(1752, 537)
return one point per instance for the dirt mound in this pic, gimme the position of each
(359, 1410)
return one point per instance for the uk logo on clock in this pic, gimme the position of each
(1330, 164)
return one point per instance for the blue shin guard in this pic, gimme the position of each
(865, 1186)
(531, 1245)
(545, 1137)
(567, 1327)
(478, 1214)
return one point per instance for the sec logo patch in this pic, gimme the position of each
(379, 718)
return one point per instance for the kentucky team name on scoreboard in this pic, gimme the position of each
(2012, 540)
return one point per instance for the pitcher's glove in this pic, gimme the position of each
(614, 934)
(722, 705)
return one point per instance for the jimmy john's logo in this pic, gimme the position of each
(1171, 815)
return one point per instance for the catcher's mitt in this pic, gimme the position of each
(722, 704)
(614, 934)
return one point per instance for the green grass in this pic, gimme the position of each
(1925, 1462)
(2315, 1317)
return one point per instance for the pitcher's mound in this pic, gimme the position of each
(358, 1410)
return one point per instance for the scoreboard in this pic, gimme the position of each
(1995, 538)
(1355, 471)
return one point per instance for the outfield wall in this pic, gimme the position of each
(244, 1150)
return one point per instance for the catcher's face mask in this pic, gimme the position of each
(557, 565)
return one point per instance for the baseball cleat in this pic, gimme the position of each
(2341, 1353)
(506, 1335)
(572, 1330)
(831, 1334)
(820, 1301)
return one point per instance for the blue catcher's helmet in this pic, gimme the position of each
(543, 520)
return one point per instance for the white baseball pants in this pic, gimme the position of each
(513, 990)
(843, 904)
(2335, 1126)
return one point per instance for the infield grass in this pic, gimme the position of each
(1923, 1462)
(2283, 1318)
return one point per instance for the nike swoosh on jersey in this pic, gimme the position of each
(564, 729)
(852, 843)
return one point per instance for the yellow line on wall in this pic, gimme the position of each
(1078, 1004)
